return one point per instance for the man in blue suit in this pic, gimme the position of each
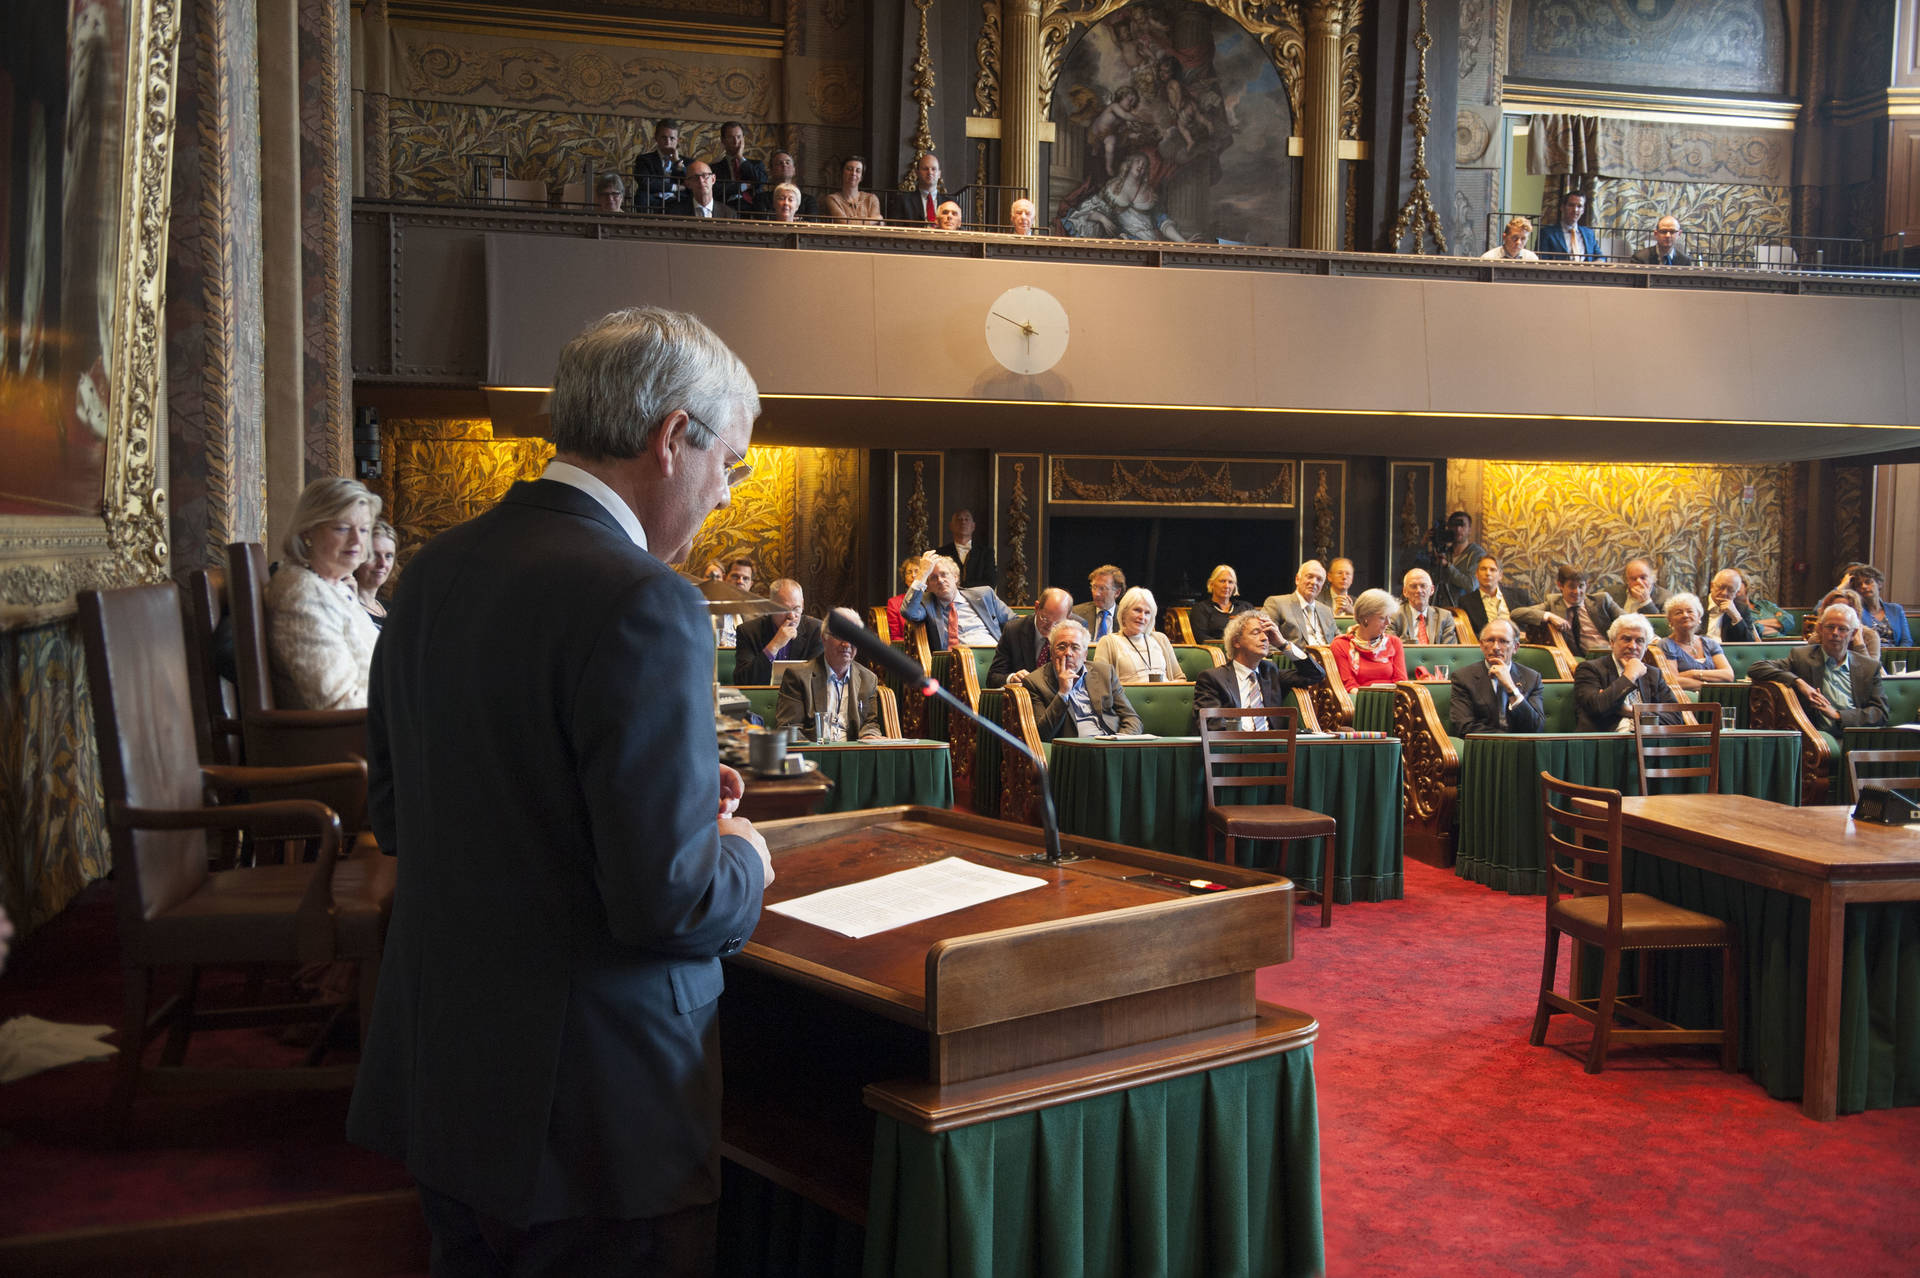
(1569, 241)
(544, 1046)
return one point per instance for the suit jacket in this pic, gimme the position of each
(978, 570)
(752, 665)
(1651, 256)
(542, 1038)
(1289, 613)
(1019, 650)
(1599, 690)
(910, 206)
(1476, 700)
(804, 693)
(1553, 242)
(1440, 625)
(1601, 610)
(1476, 608)
(1743, 631)
(1654, 607)
(655, 185)
(1054, 716)
(683, 207)
(923, 607)
(1869, 694)
(1220, 685)
(1089, 615)
(739, 186)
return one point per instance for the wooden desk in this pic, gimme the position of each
(1819, 854)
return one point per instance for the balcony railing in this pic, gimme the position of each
(1737, 250)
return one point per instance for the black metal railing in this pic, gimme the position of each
(1734, 250)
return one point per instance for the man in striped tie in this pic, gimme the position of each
(1606, 689)
(1105, 584)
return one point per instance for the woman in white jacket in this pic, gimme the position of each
(1138, 651)
(319, 639)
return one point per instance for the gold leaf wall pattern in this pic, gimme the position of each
(609, 78)
(1733, 208)
(1690, 520)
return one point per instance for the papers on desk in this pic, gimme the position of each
(907, 896)
(1124, 736)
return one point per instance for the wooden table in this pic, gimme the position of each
(1819, 854)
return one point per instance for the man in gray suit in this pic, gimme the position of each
(1074, 697)
(973, 616)
(833, 685)
(1837, 687)
(1584, 619)
(1420, 621)
(1301, 617)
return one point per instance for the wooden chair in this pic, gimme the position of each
(1332, 703)
(1671, 751)
(1179, 625)
(881, 626)
(216, 702)
(1463, 627)
(1904, 774)
(889, 713)
(174, 911)
(1237, 758)
(1593, 909)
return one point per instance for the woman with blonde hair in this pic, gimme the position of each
(1696, 658)
(371, 576)
(1209, 616)
(1138, 651)
(319, 639)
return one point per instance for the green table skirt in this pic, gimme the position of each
(1149, 795)
(1500, 828)
(879, 776)
(1372, 709)
(1738, 695)
(1207, 1174)
(986, 754)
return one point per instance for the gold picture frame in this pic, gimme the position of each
(45, 559)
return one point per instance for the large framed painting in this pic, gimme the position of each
(86, 120)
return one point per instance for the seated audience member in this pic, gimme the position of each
(716, 571)
(1210, 616)
(1023, 644)
(1023, 215)
(785, 199)
(319, 639)
(1697, 659)
(374, 570)
(1770, 620)
(850, 203)
(1249, 678)
(1105, 584)
(1665, 249)
(1495, 695)
(1888, 620)
(913, 575)
(1567, 240)
(1074, 697)
(1513, 240)
(1837, 687)
(610, 193)
(657, 174)
(1138, 652)
(1583, 618)
(1607, 687)
(1491, 599)
(786, 635)
(920, 205)
(1340, 587)
(1641, 590)
(976, 561)
(1866, 640)
(1369, 653)
(1727, 620)
(738, 180)
(973, 616)
(699, 200)
(948, 215)
(1419, 621)
(739, 574)
(780, 168)
(1302, 618)
(833, 685)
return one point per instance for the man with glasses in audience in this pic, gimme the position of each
(832, 685)
(1419, 621)
(787, 635)
(1023, 644)
(973, 616)
(1074, 697)
(1105, 584)
(1302, 618)
(1606, 688)
(1837, 687)
(1494, 694)
(1250, 679)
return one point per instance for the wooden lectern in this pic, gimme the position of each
(1095, 985)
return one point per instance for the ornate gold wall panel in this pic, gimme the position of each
(1730, 208)
(493, 70)
(1690, 520)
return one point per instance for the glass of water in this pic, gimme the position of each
(1899, 665)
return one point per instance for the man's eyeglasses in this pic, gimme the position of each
(738, 467)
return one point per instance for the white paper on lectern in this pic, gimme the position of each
(905, 896)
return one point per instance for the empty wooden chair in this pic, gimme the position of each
(1675, 751)
(1888, 769)
(1586, 902)
(1235, 757)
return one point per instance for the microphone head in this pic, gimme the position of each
(877, 650)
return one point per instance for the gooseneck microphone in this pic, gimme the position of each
(884, 655)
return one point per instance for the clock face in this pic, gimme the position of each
(1027, 329)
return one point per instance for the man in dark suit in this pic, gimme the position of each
(1582, 618)
(543, 1047)
(739, 181)
(974, 617)
(1567, 240)
(1605, 688)
(834, 685)
(1105, 584)
(1837, 687)
(1665, 249)
(1495, 695)
(1492, 599)
(786, 635)
(1074, 697)
(1726, 620)
(921, 205)
(1249, 678)
(699, 199)
(975, 560)
(1023, 644)
(657, 173)
(1640, 590)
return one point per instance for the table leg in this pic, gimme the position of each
(1826, 941)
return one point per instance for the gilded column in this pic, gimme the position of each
(1320, 129)
(1020, 105)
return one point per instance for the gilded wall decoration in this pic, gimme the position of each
(835, 97)
(1019, 528)
(487, 70)
(1725, 46)
(1734, 208)
(1171, 481)
(1852, 514)
(326, 201)
(986, 60)
(1691, 521)
(439, 472)
(1658, 151)
(53, 835)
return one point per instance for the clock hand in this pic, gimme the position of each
(1025, 327)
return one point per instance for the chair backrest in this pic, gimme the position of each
(1456, 655)
(1234, 757)
(881, 626)
(1463, 626)
(1670, 672)
(889, 712)
(1675, 751)
(1196, 658)
(1165, 709)
(1903, 700)
(1542, 660)
(216, 703)
(1179, 627)
(1561, 711)
(1889, 769)
(143, 719)
(247, 603)
(1589, 816)
(1741, 656)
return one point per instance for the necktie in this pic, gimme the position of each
(1420, 629)
(953, 626)
(932, 217)
(1250, 694)
(1104, 624)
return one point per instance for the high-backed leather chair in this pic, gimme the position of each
(216, 702)
(174, 911)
